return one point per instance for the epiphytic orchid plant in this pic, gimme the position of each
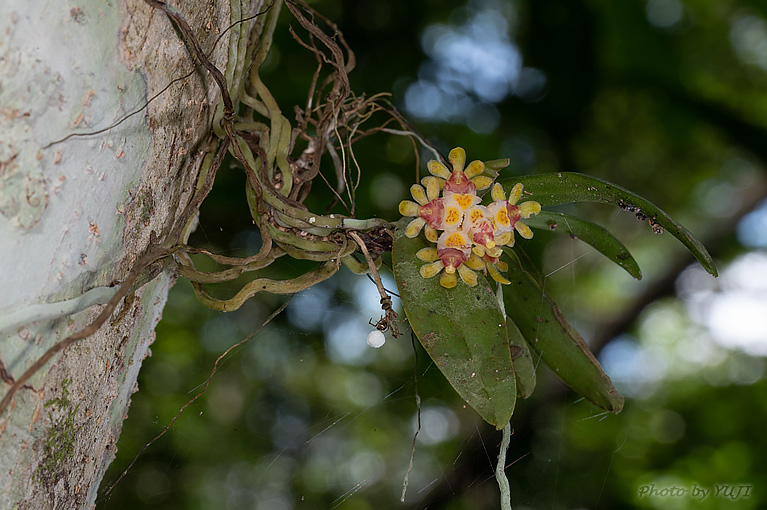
(484, 340)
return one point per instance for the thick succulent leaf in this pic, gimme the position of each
(591, 233)
(568, 187)
(461, 328)
(522, 360)
(558, 344)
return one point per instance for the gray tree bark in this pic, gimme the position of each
(76, 215)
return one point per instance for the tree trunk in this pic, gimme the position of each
(76, 215)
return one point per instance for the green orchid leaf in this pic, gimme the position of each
(522, 360)
(590, 233)
(568, 187)
(461, 328)
(560, 347)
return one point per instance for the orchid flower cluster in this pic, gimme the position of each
(468, 235)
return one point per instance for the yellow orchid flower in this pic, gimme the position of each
(452, 251)
(457, 158)
(468, 235)
(507, 214)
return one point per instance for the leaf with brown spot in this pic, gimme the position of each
(462, 329)
(569, 187)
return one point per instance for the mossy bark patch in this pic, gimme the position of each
(59, 443)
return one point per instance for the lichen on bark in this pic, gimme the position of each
(67, 68)
(58, 445)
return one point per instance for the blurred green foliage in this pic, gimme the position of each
(668, 103)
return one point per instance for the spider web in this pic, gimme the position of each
(307, 414)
